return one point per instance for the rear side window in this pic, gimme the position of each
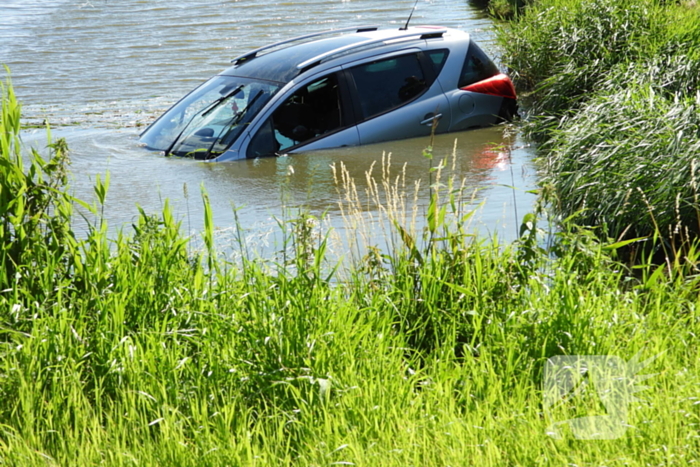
(438, 57)
(477, 67)
(385, 84)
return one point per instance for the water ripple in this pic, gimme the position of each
(69, 54)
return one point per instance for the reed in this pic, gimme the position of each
(613, 93)
(628, 162)
(560, 50)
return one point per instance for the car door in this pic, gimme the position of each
(397, 97)
(312, 116)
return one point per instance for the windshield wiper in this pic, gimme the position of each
(221, 99)
(235, 120)
(203, 113)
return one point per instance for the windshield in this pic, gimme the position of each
(205, 123)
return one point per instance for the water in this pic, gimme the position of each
(98, 71)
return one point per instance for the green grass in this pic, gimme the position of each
(561, 50)
(612, 96)
(628, 161)
(501, 9)
(136, 351)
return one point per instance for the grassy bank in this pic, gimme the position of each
(613, 95)
(136, 350)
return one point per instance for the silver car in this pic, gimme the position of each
(337, 88)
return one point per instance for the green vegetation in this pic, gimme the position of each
(501, 9)
(614, 98)
(137, 350)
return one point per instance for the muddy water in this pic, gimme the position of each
(99, 70)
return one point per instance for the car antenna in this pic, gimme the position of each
(409, 17)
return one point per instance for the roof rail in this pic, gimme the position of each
(252, 54)
(402, 35)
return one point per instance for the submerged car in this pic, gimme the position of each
(345, 87)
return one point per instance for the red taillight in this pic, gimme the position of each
(499, 85)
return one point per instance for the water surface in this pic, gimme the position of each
(98, 71)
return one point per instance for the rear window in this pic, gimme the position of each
(477, 67)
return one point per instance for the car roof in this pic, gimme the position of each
(294, 56)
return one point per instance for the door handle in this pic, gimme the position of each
(430, 118)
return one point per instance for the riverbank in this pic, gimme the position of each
(613, 93)
(142, 350)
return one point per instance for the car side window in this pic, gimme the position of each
(385, 84)
(477, 67)
(438, 57)
(311, 112)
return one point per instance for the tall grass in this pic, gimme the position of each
(613, 92)
(133, 351)
(561, 50)
(629, 161)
